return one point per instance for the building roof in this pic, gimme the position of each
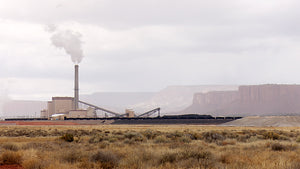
(62, 98)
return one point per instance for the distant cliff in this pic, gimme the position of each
(175, 98)
(249, 100)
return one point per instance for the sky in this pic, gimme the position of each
(139, 45)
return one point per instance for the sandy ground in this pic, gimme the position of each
(266, 121)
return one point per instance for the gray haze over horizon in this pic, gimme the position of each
(138, 45)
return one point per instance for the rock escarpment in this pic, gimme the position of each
(249, 100)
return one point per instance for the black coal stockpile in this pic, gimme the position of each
(188, 116)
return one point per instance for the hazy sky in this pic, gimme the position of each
(139, 45)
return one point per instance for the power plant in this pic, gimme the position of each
(69, 108)
(72, 108)
(60, 108)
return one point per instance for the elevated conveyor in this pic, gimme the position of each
(99, 108)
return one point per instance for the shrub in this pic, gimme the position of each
(118, 132)
(168, 157)
(35, 145)
(107, 159)
(281, 147)
(271, 135)
(85, 163)
(57, 165)
(195, 136)
(150, 134)
(71, 156)
(189, 155)
(68, 137)
(129, 141)
(284, 138)
(135, 136)
(11, 157)
(253, 138)
(185, 139)
(277, 147)
(96, 139)
(229, 134)
(225, 158)
(295, 165)
(243, 138)
(174, 135)
(161, 139)
(33, 164)
(212, 136)
(112, 139)
(104, 144)
(196, 154)
(10, 146)
(227, 142)
(119, 137)
(31, 145)
(205, 158)
(298, 139)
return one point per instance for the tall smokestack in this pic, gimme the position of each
(76, 88)
(71, 42)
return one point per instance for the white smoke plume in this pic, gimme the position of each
(50, 28)
(68, 40)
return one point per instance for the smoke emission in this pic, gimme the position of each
(68, 40)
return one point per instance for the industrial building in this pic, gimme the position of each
(65, 106)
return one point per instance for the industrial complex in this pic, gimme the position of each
(74, 109)
(62, 108)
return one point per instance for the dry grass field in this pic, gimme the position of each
(149, 147)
